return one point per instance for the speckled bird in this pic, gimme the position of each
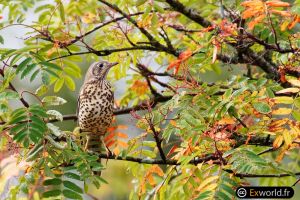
(95, 105)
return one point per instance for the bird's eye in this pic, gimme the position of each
(100, 65)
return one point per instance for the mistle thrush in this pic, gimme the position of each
(95, 105)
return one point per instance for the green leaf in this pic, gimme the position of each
(72, 186)
(38, 110)
(51, 72)
(58, 84)
(18, 112)
(18, 127)
(72, 175)
(61, 11)
(23, 64)
(140, 2)
(46, 78)
(51, 65)
(101, 179)
(28, 69)
(262, 107)
(72, 195)
(1, 40)
(18, 119)
(8, 95)
(53, 181)
(51, 193)
(22, 50)
(296, 115)
(297, 102)
(53, 100)
(70, 83)
(33, 76)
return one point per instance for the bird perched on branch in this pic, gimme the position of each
(95, 105)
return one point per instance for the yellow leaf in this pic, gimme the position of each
(88, 18)
(226, 120)
(210, 187)
(278, 141)
(287, 137)
(282, 111)
(207, 181)
(215, 52)
(284, 100)
(288, 90)
(294, 82)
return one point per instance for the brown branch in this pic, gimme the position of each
(194, 161)
(269, 46)
(158, 140)
(241, 175)
(189, 12)
(107, 51)
(151, 39)
(24, 102)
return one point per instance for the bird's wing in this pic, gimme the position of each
(78, 105)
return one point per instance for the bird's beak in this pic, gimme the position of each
(112, 64)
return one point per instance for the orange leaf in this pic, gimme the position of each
(277, 3)
(150, 179)
(174, 64)
(173, 122)
(185, 55)
(294, 22)
(122, 144)
(122, 126)
(116, 151)
(280, 12)
(256, 21)
(226, 120)
(122, 135)
(156, 169)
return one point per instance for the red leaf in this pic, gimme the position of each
(172, 150)
(111, 143)
(109, 137)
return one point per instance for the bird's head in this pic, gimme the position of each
(99, 70)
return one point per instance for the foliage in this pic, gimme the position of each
(199, 139)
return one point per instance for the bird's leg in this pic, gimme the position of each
(107, 150)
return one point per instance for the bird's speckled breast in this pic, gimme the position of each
(96, 107)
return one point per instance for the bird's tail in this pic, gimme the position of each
(95, 144)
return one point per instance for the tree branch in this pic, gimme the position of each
(189, 12)
(151, 39)
(195, 161)
(24, 102)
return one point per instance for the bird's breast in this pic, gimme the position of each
(96, 107)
